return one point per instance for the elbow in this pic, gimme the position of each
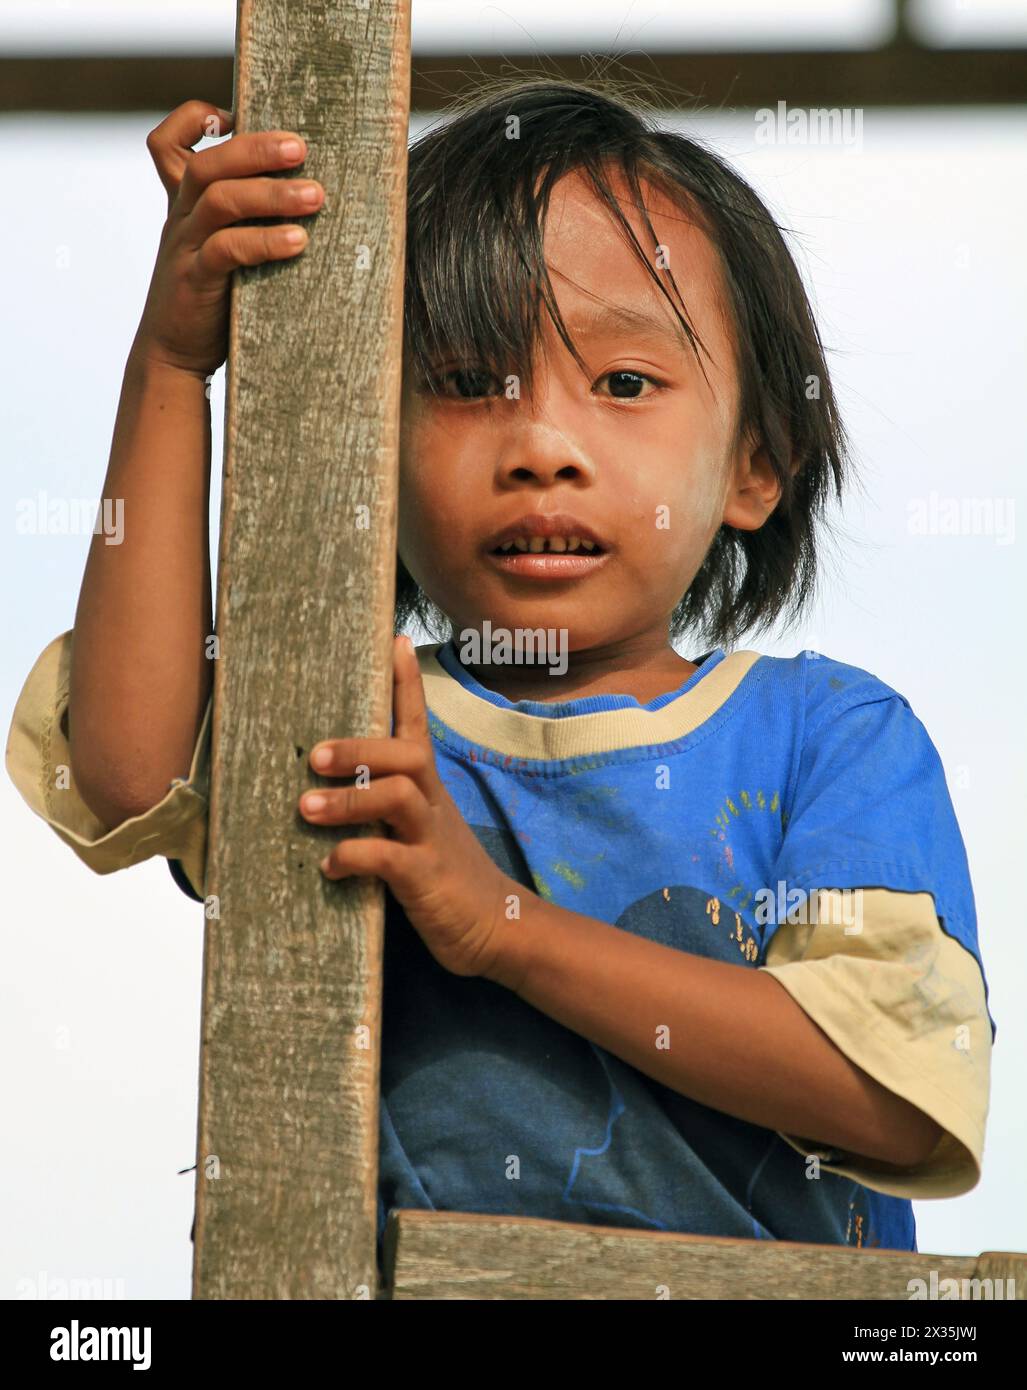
(111, 811)
(919, 1140)
(112, 801)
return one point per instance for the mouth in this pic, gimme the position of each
(554, 547)
(548, 564)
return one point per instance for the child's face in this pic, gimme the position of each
(647, 460)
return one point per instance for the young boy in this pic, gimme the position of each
(679, 945)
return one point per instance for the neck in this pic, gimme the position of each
(619, 670)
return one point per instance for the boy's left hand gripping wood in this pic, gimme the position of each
(286, 1184)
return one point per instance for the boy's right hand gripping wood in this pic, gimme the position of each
(286, 1184)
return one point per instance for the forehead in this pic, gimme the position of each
(591, 261)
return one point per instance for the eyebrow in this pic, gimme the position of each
(618, 317)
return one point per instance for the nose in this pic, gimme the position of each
(538, 452)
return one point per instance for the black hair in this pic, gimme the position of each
(470, 185)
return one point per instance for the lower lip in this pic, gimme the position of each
(547, 564)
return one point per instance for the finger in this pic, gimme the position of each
(366, 856)
(235, 246)
(408, 705)
(241, 157)
(170, 143)
(397, 801)
(231, 200)
(381, 756)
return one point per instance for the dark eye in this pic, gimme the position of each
(627, 385)
(469, 383)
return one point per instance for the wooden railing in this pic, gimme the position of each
(448, 1255)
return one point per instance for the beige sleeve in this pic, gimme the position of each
(904, 1001)
(39, 765)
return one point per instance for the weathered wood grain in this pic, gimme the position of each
(447, 1255)
(289, 1063)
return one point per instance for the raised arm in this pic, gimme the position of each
(140, 674)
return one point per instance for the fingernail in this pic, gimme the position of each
(321, 757)
(290, 149)
(323, 866)
(315, 802)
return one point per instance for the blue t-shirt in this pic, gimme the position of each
(666, 820)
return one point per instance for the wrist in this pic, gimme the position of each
(147, 365)
(514, 931)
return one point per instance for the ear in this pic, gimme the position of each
(753, 490)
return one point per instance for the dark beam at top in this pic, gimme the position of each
(901, 75)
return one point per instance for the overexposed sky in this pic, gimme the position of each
(487, 26)
(461, 26)
(913, 245)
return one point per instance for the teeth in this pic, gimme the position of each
(556, 544)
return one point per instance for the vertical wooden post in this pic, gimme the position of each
(287, 1151)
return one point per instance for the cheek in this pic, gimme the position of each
(433, 520)
(692, 496)
(706, 501)
(415, 478)
(415, 522)
(675, 523)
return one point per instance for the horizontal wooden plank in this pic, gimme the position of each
(459, 1255)
(902, 75)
